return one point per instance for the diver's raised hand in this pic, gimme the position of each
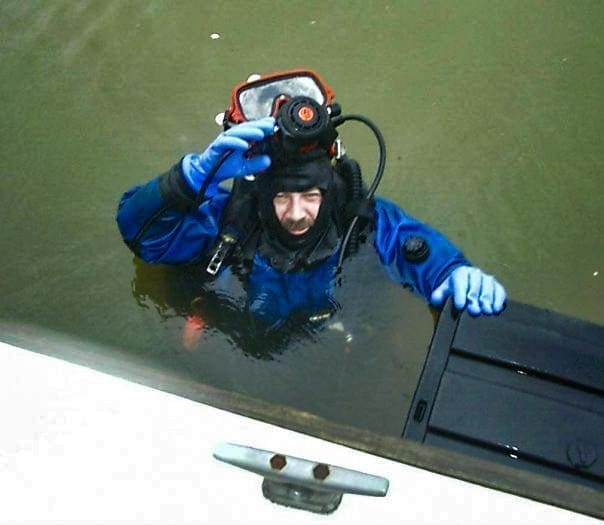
(471, 287)
(225, 157)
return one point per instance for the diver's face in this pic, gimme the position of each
(297, 211)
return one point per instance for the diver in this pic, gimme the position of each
(297, 208)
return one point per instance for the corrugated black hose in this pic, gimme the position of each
(337, 121)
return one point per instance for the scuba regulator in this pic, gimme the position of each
(306, 118)
(302, 126)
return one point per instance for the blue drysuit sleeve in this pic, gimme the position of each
(392, 228)
(159, 228)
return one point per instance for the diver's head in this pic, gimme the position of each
(292, 192)
(302, 199)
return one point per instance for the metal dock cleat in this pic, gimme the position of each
(300, 483)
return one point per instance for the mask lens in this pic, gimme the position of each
(256, 101)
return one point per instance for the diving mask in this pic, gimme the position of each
(263, 97)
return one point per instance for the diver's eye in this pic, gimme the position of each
(312, 196)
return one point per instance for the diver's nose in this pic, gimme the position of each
(296, 209)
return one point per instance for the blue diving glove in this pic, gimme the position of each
(225, 157)
(471, 287)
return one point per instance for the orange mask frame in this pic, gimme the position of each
(236, 114)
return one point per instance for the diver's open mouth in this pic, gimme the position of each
(298, 231)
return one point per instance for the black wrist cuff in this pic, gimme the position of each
(175, 191)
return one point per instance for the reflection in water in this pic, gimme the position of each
(358, 364)
(184, 292)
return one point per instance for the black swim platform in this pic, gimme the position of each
(525, 388)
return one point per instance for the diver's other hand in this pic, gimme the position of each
(225, 156)
(471, 287)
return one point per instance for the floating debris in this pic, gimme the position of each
(253, 77)
(338, 326)
(219, 118)
(215, 36)
(596, 274)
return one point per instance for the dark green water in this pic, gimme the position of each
(493, 116)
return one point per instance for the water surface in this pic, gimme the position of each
(493, 118)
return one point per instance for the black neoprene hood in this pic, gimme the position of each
(316, 172)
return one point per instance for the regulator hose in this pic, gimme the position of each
(337, 121)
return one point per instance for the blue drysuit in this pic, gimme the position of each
(159, 232)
